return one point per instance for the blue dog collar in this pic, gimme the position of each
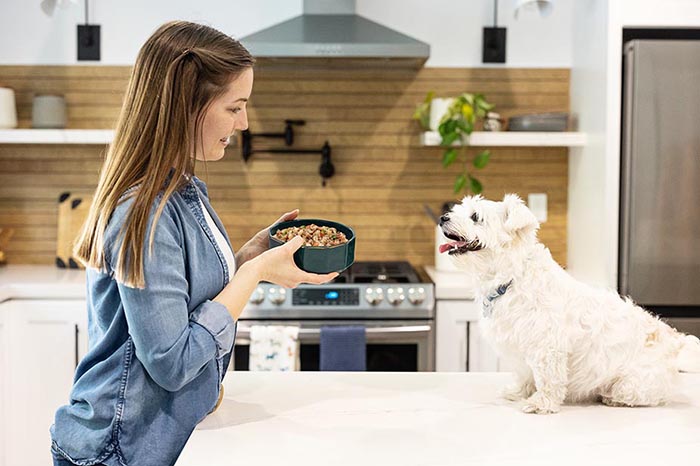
(487, 304)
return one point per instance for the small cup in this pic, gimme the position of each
(49, 111)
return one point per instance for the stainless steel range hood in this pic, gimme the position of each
(330, 30)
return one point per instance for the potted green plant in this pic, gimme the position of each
(456, 125)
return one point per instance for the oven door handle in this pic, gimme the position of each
(244, 331)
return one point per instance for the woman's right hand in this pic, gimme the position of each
(277, 266)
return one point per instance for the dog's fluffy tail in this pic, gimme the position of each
(688, 359)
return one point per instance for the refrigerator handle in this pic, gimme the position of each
(626, 171)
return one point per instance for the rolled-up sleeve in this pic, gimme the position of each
(218, 323)
(173, 345)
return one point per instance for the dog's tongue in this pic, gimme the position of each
(454, 244)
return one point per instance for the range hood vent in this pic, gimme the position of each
(330, 30)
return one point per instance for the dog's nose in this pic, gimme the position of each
(444, 219)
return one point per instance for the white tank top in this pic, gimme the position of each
(221, 242)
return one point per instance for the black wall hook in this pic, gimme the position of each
(326, 169)
(287, 135)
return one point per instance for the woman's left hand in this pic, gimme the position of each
(260, 242)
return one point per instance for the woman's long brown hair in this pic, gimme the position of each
(180, 69)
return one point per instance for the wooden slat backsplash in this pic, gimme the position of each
(383, 175)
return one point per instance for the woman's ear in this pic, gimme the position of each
(519, 220)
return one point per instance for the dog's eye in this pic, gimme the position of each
(475, 218)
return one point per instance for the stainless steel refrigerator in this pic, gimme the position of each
(659, 263)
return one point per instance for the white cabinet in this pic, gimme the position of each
(3, 378)
(451, 348)
(460, 346)
(42, 341)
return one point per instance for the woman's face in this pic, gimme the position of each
(226, 115)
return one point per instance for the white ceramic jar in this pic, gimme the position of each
(438, 107)
(8, 109)
(49, 111)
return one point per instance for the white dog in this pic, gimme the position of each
(570, 341)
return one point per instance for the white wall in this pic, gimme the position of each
(596, 89)
(588, 223)
(452, 28)
(29, 36)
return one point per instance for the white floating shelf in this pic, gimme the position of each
(430, 138)
(513, 139)
(56, 136)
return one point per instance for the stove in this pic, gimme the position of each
(366, 290)
(393, 301)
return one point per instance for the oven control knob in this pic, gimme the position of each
(374, 296)
(416, 295)
(277, 295)
(258, 296)
(395, 296)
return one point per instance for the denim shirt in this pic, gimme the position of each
(157, 355)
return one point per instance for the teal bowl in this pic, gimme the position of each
(319, 259)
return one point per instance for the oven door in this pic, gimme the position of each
(392, 345)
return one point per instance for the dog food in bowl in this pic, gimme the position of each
(313, 235)
(329, 246)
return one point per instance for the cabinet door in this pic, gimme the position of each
(460, 346)
(45, 348)
(481, 357)
(3, 385)
(452, 339)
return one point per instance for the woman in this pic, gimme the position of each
(164, 287)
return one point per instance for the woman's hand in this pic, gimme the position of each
(260, 242)
(277, 266)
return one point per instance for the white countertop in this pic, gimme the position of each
(451, 285)
(41, 282)
(48, 281)
(371, 418)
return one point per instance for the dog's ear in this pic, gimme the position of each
(519, 220)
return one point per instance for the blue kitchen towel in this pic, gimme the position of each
(343, 348)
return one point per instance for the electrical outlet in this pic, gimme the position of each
(89, 42)
(537, 202)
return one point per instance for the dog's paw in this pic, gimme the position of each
(540, 404)
(615, 404)
(517, 392)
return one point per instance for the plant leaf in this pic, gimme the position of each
(465, 127)
(460, 182)
(482, 159)
(474, 185)
(422, 115)
(449, 126)
(449, 138)
(467, 112)
(448, 157)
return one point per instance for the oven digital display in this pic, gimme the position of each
(326, 297)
